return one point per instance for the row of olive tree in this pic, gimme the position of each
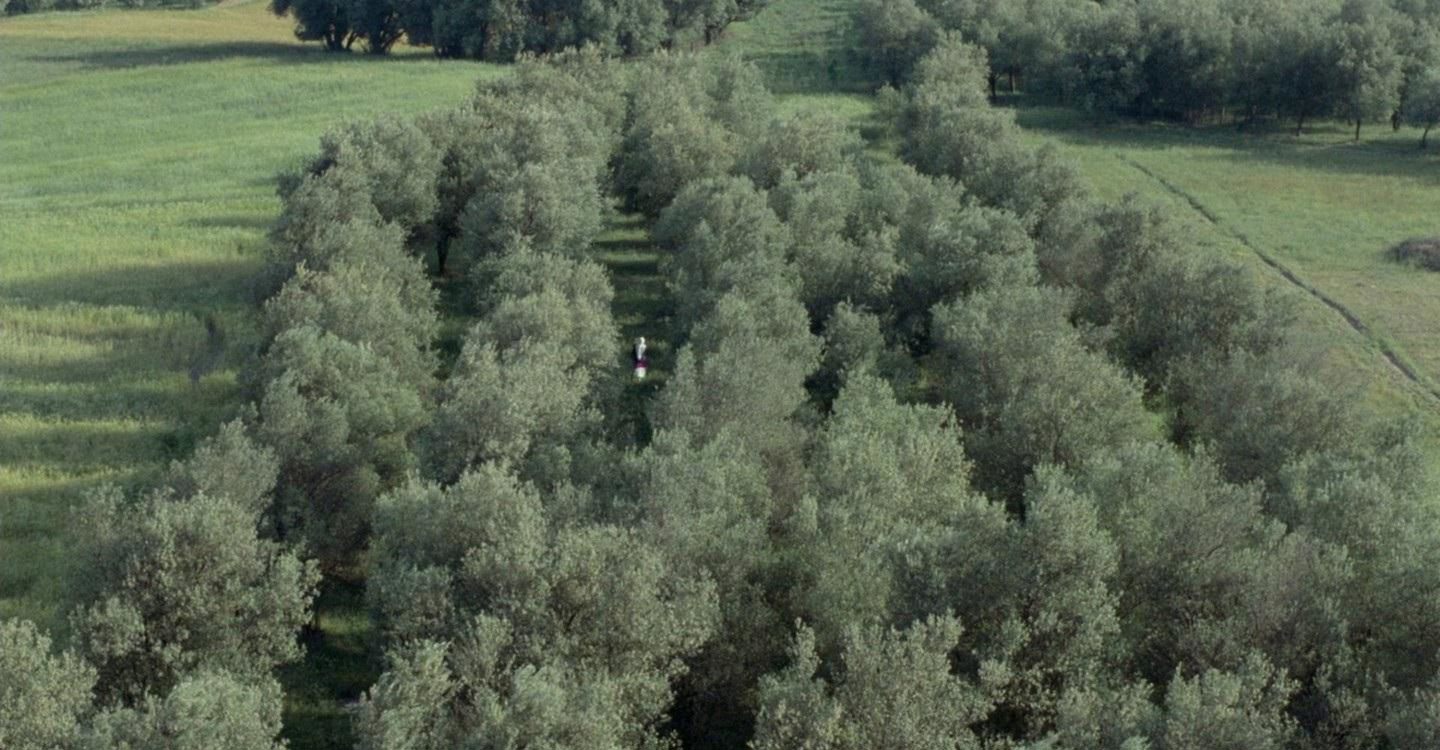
(182, 610)
(18, 7)
(1358, 60)
(501, 30)
(1063, 576)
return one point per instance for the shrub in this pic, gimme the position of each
(1421, 251)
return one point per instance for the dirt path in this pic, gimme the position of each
(1290, 276)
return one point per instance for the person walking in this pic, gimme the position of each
(642, 363)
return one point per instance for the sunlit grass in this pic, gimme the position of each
(138, 151)
(1326, 208)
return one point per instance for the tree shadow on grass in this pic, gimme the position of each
(236, 221)
(183, 54)
(190, 286)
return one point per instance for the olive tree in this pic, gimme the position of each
(1026, 389)
(340, 417)
(207, 710)
(1422, 106)
(889, 688)
(44, 697)
(170, 584)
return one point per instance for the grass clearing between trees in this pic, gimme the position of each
(1325, 209)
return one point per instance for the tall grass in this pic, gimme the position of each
(138, 151)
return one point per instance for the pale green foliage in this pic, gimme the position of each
(443, 553)
(1026, 389)
(208, 710)
(1162, 305)
(691, 120)
(1243, 710)
(424, 703)
(534, 296)
(1062, 623)
(946, 128)
(1102, 717)
(340, 415)
(231, 465)
(327, 216)
(522, 390)
(395, 161)
(800, 145)
(43, 696)
(952, 255)
(855, 344)
(891, 689)
(409, 706)
(1374, 499)
(724, 236)
(745, 371)
(524, 160)
(1194, 548)
(883, 472)
(709, 509)
(843, 259)
(556, 629)
(1258, 412)
(1038, 595)
(894, 34)
(504, 406)
(389, 308)
(147, 614)
(1414, 724)
(526, 167)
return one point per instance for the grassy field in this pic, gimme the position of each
(1314, 214)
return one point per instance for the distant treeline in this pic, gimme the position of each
(18, 7)
(1358, 60)
(503, 29)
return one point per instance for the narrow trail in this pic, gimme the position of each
(641, 308)
(1294, 279)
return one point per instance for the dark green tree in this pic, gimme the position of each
(326, 21)
(340, 416)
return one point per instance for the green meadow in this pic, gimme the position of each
(138, 154)
(1313, 215)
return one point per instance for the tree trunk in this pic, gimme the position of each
(991, 78)
(1012, 81)
(1395, 120)
(1357, 130)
